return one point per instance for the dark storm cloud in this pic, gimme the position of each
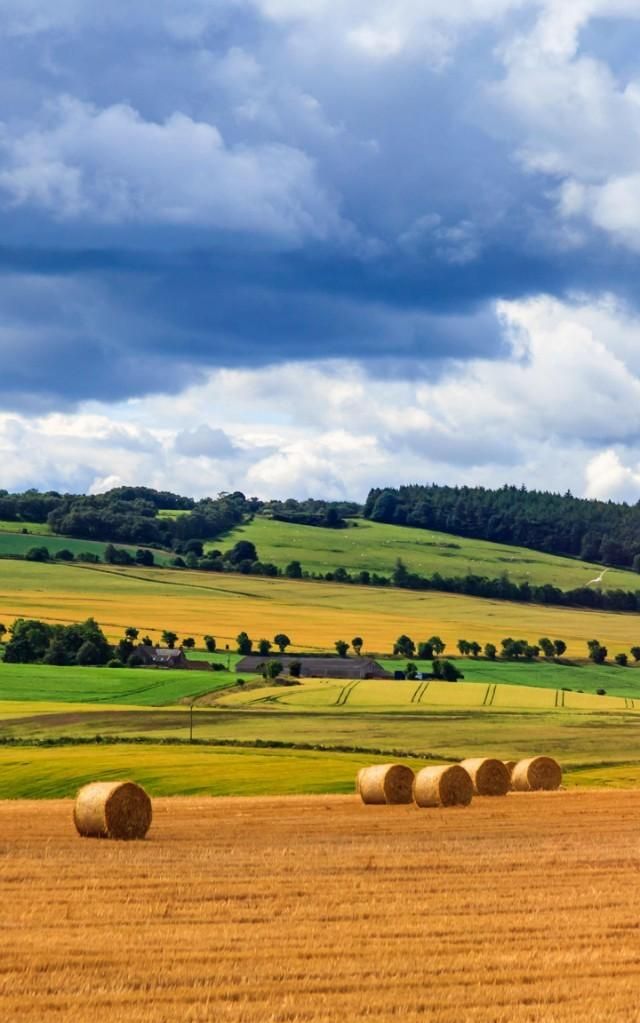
(185, 190)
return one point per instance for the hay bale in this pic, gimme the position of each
(112, 809)
(490, 777)
(385, 783)
(536, 773)
(449, 785)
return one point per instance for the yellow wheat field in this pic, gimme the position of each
(319, 909)
(313, 614)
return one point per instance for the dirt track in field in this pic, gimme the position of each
(319, 909)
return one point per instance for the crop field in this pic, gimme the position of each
(376, 546)
(313, 614)
(14, 542)
(314, 910)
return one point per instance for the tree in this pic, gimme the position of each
(272, 669)
(145, 557)
(131, 633)
(146, 641)
(244, 550)
(56, 654)
(3, 631)
(547, 647)
(169, 638)
(88, 654)
(282, 641)
(189, 642)
(474, 649)
(425, 651)
(293, 570)
(490, 651)
(244, 644)
(597, 652)
(405, 646)
(357, 644)
(264, 647)
(210, 644)
(635, 651)
(559, 646)
(411, 671)
(446, 671)
(621, 659)
(191, 560)
(341, 647)
(64, 554)
(437, 644)
(531, 651)
(295, 669)
(463, 646)
(37, 554)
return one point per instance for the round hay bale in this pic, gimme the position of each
(449, 785)
(385, 783)
(489, 777)
(535, 774)
(112, 809)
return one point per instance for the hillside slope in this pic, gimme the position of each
(376, 546)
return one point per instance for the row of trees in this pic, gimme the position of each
(560, 524)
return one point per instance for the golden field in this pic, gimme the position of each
(318, 909)
(313, 614)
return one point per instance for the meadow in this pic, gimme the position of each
(309, 910)
(16, 543)
(376, 546)
(313, 614)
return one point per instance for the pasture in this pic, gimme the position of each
(17, 543)
(315, 909)
(376, 546)
(313, 614)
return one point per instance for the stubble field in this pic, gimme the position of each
(319, 909)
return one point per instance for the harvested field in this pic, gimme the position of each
(320, 909)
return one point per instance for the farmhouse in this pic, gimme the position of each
(319, 667)
(167, 657)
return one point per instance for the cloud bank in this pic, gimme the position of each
(310, 247)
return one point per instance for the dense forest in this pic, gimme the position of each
(559, 524)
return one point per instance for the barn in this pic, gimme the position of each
(318, 667)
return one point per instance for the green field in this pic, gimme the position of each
(580, 677)
(39, 528)
(142, 687)
(376, 546)
(15, 543)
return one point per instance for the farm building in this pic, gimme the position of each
(167, 657)
(319, 667)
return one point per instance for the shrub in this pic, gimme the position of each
(115, 663)
(622, 660)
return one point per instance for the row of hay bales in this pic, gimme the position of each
(456, 784)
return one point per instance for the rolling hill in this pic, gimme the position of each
(376, 546)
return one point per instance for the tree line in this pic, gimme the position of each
(601, 531)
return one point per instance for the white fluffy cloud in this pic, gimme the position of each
(114, 166)
(560, 409)
(575, 118)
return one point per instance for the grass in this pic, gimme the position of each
(141, 687)
(39, 528)
(313, 614)
(14, 543)
(376, 546)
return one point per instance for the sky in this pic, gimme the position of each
(306, 247)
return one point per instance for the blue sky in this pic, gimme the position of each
(309, 246)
